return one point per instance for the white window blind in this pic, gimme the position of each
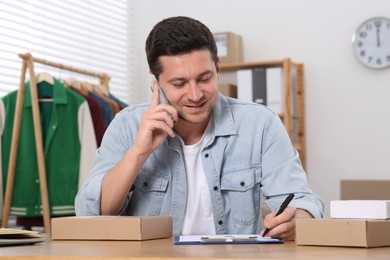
(85, 34)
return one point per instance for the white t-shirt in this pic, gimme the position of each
(198, 216)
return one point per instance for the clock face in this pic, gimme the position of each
(371, 43)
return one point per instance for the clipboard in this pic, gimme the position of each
(224, 239)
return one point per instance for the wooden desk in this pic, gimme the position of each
(164, 249)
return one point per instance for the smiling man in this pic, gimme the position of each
(208, 161)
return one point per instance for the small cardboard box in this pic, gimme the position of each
(365, 190)
(363, 209)
(229, 47)
(228, 90)
(343, 232)
(111, 228)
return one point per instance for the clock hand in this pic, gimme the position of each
(378, 41)
(378, 25)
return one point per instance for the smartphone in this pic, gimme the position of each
(163, 97)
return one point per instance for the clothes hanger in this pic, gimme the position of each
(77, 84)
(72, 82)
(99, 89)
(45, 77)
(86, 85)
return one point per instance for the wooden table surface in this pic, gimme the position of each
(165, 249)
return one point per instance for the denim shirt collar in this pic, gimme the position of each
(223, 118)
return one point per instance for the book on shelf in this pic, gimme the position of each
(259, 86)
(262, 86)
(274, 85)
(244, 85)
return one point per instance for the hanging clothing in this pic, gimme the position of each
(96, 114)
(69, 148)
(122, 104)
(106, 108)
(102, 104)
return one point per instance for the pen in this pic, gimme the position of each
(281, 209)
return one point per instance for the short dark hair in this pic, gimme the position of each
(177, 35)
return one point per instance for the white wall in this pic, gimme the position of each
(347, 104)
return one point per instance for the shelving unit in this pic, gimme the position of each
(293, 94)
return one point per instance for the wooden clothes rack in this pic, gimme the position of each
(28, 63)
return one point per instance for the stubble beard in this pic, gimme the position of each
(183, 117)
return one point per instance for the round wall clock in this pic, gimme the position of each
(371, 42)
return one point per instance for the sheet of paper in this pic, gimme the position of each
(18, 233)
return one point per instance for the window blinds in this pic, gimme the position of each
(86, 34)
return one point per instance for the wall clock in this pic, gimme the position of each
(371, 43)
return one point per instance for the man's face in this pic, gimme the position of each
(190, 82)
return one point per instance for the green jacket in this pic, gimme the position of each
(69, 147)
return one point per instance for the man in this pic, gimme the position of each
(205, 159)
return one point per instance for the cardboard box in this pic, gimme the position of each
(364, 209)
(229, 47)
(111, 228)
(343, 232)
(228, 90)
(365, 190)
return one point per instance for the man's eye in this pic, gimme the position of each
(205, 79)
(179, 84)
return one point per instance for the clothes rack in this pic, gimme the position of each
(28, 63)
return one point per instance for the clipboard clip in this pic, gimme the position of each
(228, 239)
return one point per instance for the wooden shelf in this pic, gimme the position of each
(249, 65)
(293, 92)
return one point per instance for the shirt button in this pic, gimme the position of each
(220, 222)
(215, 188)
(145, 184)
(242, 184)
(206, 155)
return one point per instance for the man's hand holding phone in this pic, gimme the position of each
(164, 112)
(156, 123)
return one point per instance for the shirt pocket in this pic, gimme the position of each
(151, 181)
(148, 194)
(240, 190)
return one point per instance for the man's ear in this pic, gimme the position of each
(218, 65)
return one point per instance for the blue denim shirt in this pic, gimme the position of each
(249, 161)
